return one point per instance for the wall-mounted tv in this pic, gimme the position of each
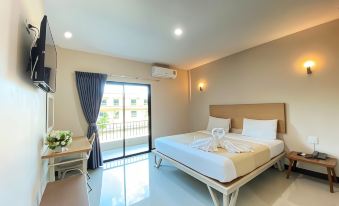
(44, 59)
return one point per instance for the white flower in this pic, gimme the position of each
(63, 143)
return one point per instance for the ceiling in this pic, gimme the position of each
(142, 30)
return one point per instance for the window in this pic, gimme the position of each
(116, 102)
(133, 102)
(133, 114)
(104, 102)
(145, 101)
(116, 115)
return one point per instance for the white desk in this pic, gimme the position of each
(79, 145)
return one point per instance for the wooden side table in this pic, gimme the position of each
(329, 163)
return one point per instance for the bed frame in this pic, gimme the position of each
(237, 113)
(228, 190)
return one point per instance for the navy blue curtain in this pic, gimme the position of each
(91, 88)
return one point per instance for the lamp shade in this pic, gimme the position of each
(312, 140)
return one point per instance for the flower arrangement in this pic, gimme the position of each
(58, 139)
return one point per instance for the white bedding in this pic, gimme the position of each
(210, 164)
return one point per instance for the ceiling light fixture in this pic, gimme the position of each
(178, 31)
(68, 35)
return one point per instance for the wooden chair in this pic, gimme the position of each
(63, 169)
(69, 191)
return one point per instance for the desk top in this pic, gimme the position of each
(329, 162)
(78, 145)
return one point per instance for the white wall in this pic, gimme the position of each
(274, 72)
(22, 108)
(169, 97)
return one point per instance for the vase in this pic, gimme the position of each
(60, 149)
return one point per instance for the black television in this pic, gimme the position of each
(44, 59)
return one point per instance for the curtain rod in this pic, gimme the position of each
(133, 77)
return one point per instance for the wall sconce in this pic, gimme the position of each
(201, 87)
(308, 65)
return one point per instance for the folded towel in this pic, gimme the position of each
(218, 132)
(236, 147)
(211, 144)
(207, 144)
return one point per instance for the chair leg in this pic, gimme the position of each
(59, 173)
(75, 169)
(90, 188)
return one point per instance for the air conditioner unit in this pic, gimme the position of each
(162, 72)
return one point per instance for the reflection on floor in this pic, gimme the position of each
(135, 181)
(115, 153)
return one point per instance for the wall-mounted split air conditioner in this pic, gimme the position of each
(162, 72)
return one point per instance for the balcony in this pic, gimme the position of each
(111, 138)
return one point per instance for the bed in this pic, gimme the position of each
(223, 171)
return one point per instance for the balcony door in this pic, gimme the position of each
(124, 121)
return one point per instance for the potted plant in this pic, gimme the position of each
(57, 140)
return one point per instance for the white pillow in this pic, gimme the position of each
(214, 122)
(263, 129)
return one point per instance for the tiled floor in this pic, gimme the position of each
(114, 153)
(135, 181)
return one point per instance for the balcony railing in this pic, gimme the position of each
(115, 131)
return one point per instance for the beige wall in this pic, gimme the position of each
(22, 108)
(169, 97)
(273, 72)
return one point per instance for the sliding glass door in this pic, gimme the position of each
(124, 121)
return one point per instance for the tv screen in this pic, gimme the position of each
(44, 57)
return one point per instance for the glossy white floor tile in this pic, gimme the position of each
(116, 153)
(135, 181)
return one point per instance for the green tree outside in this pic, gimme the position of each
(103, 121)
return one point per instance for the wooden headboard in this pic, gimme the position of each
(238, 112)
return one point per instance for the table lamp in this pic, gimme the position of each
(313, 140)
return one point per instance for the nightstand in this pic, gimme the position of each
(329, 164)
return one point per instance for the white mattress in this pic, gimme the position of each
(210, 164)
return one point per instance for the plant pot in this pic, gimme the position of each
(60, 149)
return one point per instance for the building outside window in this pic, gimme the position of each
(116, 102)
(104, 102)
(145, 102)
(116, 115)
(133, 102)
(133, 114)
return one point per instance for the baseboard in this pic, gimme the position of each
(309, 173)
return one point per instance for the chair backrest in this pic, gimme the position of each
(91, 141)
